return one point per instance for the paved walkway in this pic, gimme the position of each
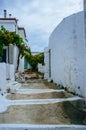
(40, 104)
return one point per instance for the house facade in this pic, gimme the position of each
(65, 57)
(10, 55)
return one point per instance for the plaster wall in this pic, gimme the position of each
(10, 25)
(10, 71)
(40, 68)
(15, 57)
(68, 54)
(21, 64)
(21, 33)
(2, 77)
(46, 61)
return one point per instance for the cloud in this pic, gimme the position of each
(40, 17)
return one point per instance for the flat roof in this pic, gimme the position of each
(9, 19)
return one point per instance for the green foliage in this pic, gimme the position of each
(1, 52)
(7, 38)
(35, 59)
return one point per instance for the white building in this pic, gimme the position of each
(65, 57)
(10, 56)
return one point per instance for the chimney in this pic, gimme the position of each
(5, 13)
(10, 15)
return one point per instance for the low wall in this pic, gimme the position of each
(40, 127)
(41, 68)
(2, 77)
(6, 76)
(21, 65)
(10, 71)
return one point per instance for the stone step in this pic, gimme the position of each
(41, 101)
(40, 127)
(34, 91)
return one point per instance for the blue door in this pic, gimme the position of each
(4, 56)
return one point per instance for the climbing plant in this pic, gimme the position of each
(35, 59)
(7, 38)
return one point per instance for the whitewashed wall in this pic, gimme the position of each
(10, 71)
(46, 61)
(2, 77)
(6, 76)
(10, 25)
(21, 65)
(29, 66)
(15, 57)
(22, 33)
(68, 54)
(40, 68)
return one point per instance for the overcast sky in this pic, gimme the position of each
(40, 17)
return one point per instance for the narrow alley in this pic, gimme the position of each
(40, 102)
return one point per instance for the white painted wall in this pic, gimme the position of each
(7, 70)
(10, 25)
(29, 66)
(16, 51)
(46, 61)
(68, 54)
(10, 71)
(2, 77)
(13, 52)
(13, 55)
(21, 33)
(40, 68)
(21, 65)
